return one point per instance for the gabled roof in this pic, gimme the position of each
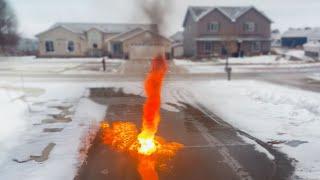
(231, 12)
(177, 37)
(81, 28)
(133, 33)
(125, 35)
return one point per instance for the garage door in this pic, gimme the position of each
(145, 51)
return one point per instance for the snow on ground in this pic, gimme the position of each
(245, 65)
(257, 60)
(293, 54)
(204, 69)
(33, 65)
(315, 76)
(29, 110)
(270, 113)
(33, 59)
(13, 112)
(187, 62)
(271, 59)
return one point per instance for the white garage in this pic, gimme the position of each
(140, 44)
(145, 51)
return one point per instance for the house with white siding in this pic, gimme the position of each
(101, 39)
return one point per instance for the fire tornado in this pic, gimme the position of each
(151, 110)
(151, 151)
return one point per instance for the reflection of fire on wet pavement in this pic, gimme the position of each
(148, 149)
(200, 158)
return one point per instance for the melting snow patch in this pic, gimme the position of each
(257, 146)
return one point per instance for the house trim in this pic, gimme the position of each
(52, 29)
(204, 14)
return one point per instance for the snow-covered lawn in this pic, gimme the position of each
(33, 65)
(271, 59)
(293, 54)
(296, 53)
(266, 59)
(13, 112)
(39, 114)
(315, 76)
(245, 65)
(270, 113)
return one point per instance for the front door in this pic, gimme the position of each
(117, 49)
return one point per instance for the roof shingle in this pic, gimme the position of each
(104, 27)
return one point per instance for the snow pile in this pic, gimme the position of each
(270, 113)
(315, 76)
(264, 59)
(13, 113)
(295, 53)
(268, 59)
(312, 46)
(187, 62)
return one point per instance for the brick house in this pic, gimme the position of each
(242, 30)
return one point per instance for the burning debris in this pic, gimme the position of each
(150, 150)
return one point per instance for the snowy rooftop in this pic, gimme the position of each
(302, 32)
(312, 46)
(104, 27)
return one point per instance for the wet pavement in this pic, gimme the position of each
(212, 148)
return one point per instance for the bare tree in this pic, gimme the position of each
(8, 27)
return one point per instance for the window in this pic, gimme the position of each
(49, 46)
(256, 46)
(249, 27)
(95, 46)
(208, 47)
(213, 27)
(70, 46)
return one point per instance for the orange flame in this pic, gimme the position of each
(151, 109)
(122, 137)
(147, 148)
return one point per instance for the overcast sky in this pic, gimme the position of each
(37, 15)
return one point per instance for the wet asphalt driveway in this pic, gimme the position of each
(213, 149)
